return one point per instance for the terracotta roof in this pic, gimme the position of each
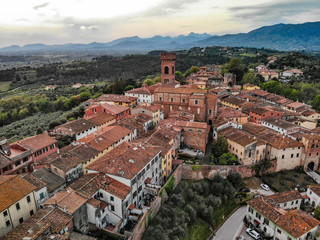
(35, 226)
(125, 161)
(297, 223)
(67, 199)
(34, 181)
(101, 118)
(90, 183)
(188, 124)
(76, 126)
(12, 189)
(184, 90)
(279, 141)
(283, 197)
(52, 180)
(231, 113)
(151, 108)
(37, 142)
(254, 128)
(309, 113)
(148, 90)
(295, 105)
(84, 152)
(267, 210)
(240, 137)
(66, 162)
(115, 109)
(234, 100)
(315, 189)
(116, 98)
(217, 122)
(279, 123)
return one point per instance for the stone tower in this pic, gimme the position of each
(168, 68)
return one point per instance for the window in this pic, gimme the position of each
(291, 155)
(8, 223)
(160, 98)
(279, 231)
(31, 212)
(196, 101)
(250, 210)
(183, 100)
(171, 100)
(112, 208)
(297, 154)
(266, 222)
(285, 204)
(140, 189)
(282, 157)
(258, 215)
(18, 206)
(28, 199)
(21, 220)
(5, 213)
(111, 198)
(210, 111)
(166, 70)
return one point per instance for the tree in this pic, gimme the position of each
(236, 67)
(84, 96)
(219, 147)
(227, 159)
(39, 130)
(235, 179)
(262, 166)
(249, 77)
(129, 87)
(23, 113)
(149, 81)
(316, 102)
(194, 69)
(178, 76)
(316, 213)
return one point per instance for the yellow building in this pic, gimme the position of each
(17, 202)
(200, 84)
(233, 102)
(152, 111)
(122, 100)
(249, 86)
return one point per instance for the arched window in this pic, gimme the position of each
(166, 70)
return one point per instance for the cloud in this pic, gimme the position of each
(43, 5)
(274, 11)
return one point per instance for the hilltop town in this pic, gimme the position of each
(125, 162)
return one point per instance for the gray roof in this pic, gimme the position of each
(52, 180)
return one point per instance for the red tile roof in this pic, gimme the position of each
(12, 189)
(126, 160)
(116, 98)
(67, 199)
(37, 142)
(90, 183)
(76, 126)
(101, 118)
(35, 226)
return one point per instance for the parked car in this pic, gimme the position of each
(253, 233)
(244, 189)
(265, 187)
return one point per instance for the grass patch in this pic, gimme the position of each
(223, 212)
(247, 55)
(4, 86)
(288, 179)
(200, 230)
(196, 168)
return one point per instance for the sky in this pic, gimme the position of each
(84, 21)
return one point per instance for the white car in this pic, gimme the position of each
(253, 233)
(265, 187)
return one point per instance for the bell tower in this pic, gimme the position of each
(168, 66)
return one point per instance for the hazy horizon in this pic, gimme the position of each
(82, 21)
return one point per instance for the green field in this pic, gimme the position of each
(4, 86)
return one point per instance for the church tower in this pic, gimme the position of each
(168, 68)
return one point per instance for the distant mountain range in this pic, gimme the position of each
(288, 37)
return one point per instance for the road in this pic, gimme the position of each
(232, 227)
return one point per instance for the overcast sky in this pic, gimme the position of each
(84, 21)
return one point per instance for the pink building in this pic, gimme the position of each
(40, 145)
(114, 110)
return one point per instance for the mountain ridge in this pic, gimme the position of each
(290, 37)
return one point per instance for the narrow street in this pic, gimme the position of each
(232, 227)
(207, 157)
